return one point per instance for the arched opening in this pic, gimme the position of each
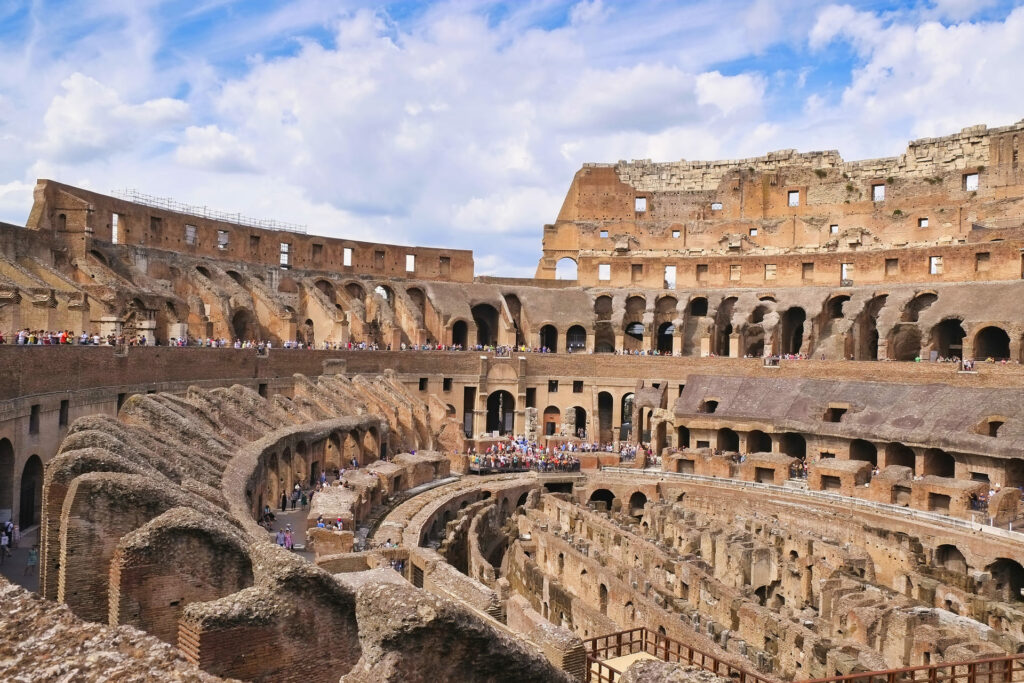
(698, 307)
(912, 311)
(204, 271)
(326, 288)
(62, 223)
(948, 338)
(682, 437)
(419, 299)
(636, 504)
(549, 338)
(992, 342)
(728, 440)
(866, 330)
(835, 306)
(757, 316)
(904, 342)
(31, 493)
(1008, 576)
(356, 291)
(236, 276)
(603, 598)
(864, 451)
(603, 307)
(899, 454)
(6, 479)
(627, 416)
(552, 416)
(575, 339)
(604, 335)
(242, 325)
(634, 336)
(632, 325)
(758, 442)
(459, 333)
(791, 334)
(515, 310)
(603, 496)
(938, 463)
(723, 327)
(561, 563)
(950, 558)
(486, 318)
(501, 407)
(794, 445)
(666, 333)
(605, 408)
(384, 293)
(565, 269)
(580, 416)
(98, 256)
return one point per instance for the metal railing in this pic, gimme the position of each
(169, 204)
(1009, 669)
(657, 645)
(829, 497)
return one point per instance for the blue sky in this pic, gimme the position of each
(461, 123)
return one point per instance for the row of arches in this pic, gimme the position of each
(28, 482)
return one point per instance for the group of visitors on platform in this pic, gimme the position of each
(27, 337)
(520, 454)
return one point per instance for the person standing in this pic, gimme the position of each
(32, 561)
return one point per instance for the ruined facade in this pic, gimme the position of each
(793, 519)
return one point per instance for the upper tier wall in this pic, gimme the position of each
(80, 215)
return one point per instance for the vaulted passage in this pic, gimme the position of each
(992, 342)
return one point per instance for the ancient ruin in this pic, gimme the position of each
(816, 362)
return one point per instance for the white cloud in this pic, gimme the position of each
(210, 148)
(729, 94)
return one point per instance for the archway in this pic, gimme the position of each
(549, 338)
(950, 558)
(794, 445)
(486, 318)
(634, 338)
(459, 333)
(575, 339)
(356, 291)
(938, 463)
(501, 407)
(899, 454)
(666, 333)
(863, 450)
(604, 335)
(904, 342)
(723, 327)
(566, 269)
(682, 437)
(603, 496)
(603, 598)
(758, 442)
(6, 477)
(580, 416)
(605, 407)
(992, 342)
(728, 440)
(636, 504)
(31, 493)
(791, 334)
(242, 325)
(1008, 576)
(626, 410)
(552, 416)
(912, 311)
(948, 338)
(698, 307)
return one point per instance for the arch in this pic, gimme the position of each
(204, 271)
(899, 454)
(728, 440)
(561, 563)
(835, 306)
(575, 338)
(791, 333)
(549, 338)
(31, 501)
(904, 342)
(666, 333)
(605, 413)
(950, 558)
(602, 496)
(501, 410)
(758, 442)
(861, 449)
(635, 331)
(236, 276)
(948, 338)
(566, 268)
(459, 333)
(515, 310)
(552, 416)
(698, 307)
(62, 223)
(794, 445)
(384, 292)
(580, 422)
(326, 288)
(723, 327)
(242, 324)
(682, 437)
(98, 256)
(486, 318)
(992, 342)
(866, 329)
(418, 298)
(757, 315)
(1008, 576)
(6, 477)
(356, 291)
(626, 411)
(603, 598)
(938, 463)
(912, 310)
(636, 503)
(603, 307)
(522, 499)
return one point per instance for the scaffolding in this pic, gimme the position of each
(169, 204)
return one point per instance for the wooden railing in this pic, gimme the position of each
(1008, 669)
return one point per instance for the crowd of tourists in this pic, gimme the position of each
(518, 455)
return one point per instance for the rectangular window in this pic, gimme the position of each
(33, 419)
(753, 232)
(981, 261)
(63, 420)
(552, 385)
(769, 271)
(531, 397)
(446, 384)
(286, 255)
(637, 272)
(640, 204)
(445, 265)
(675, 234)
(847, 271)
(794, 197)
(378, 260)
(670, 277)
(254, 244)
(807, 271)
(115, 224)
(734, 272)
(971, 182)
(190, 234)
(346, 256)
(423, 383)
(222, 239)
(922, 222)
(317, 253)
(604, 271)
(702, 272)
(892, 266)
(155, 224)
(410, 263)
(716, 206)
(935, 265)
(833, 229)
(577, 386)
(878, 193)
(263, 389)
(604, 234)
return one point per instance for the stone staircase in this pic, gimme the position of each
(800, 484)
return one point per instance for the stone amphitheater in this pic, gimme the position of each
(816, 362)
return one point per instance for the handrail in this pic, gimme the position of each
(828, 497)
